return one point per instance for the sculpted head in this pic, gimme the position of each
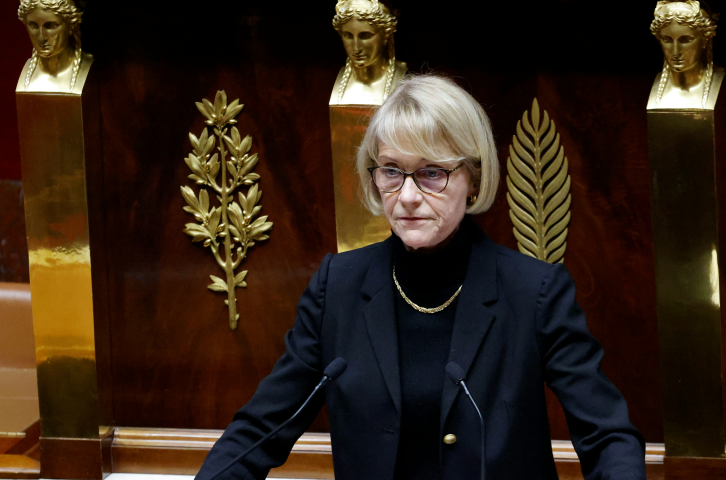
(53, 25)
(685, 32)
(366, 28)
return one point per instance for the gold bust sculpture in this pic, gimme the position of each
(685, 32)
(366, 28)
(58, 65)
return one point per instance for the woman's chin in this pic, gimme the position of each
(416, 240)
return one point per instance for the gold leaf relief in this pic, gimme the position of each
(539, 187)
(230, 229)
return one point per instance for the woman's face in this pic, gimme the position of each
(48, 32)
(424, 220)
(682, 46)
(363, 43)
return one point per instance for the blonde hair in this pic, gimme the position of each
(432, 117)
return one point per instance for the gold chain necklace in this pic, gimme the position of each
(422, 309)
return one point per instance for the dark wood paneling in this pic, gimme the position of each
(98, 242)
(570, 470)
(174, 361)
(720, 127)
(182, 452)
(17, 49)
(70, 458)
(13, 240)
(603, 128)
(691, 468)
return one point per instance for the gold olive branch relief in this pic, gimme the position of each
(229, 229)
(539, 188)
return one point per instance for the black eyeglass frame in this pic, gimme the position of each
(448, 172)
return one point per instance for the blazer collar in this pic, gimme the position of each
(381, 320)
(471, 321)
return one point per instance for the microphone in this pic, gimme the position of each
(332, 371)
(456, 375)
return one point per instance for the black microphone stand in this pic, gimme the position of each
(456, 375)
(334, 370)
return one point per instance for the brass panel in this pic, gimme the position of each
(685, 237)
(53, 155)
(356, 227)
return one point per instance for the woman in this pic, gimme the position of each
(685, 32)
(58, 61)
(366, 28)
(437, 291)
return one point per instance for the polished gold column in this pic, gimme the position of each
(356, 227)
(53, 152)
(685, 237)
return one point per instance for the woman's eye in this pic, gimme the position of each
(366, 35)
(688, 39)
(432, 173)
(391, 172)
(51, 25)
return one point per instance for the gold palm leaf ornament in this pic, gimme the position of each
(539, 187)
(228, 230)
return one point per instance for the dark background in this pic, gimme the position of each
(167, 357)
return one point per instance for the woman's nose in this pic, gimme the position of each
(409, 192)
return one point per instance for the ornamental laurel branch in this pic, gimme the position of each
(230, 229)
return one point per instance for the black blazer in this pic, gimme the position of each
(516, 326)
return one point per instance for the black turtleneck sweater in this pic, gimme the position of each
(428, 280)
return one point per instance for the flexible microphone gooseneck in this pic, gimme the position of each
(333, 371)
(456, 375)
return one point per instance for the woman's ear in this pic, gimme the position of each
(473, 189)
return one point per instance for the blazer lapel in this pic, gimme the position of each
(380, 316)
(472, 319)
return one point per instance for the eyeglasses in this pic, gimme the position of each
(428, 180)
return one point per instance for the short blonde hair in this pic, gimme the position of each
(432, 117)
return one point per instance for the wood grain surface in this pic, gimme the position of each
(692, 468)
(174, 361)
(170, 358)
(13, 242)
(18, 466)
(181, 452)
